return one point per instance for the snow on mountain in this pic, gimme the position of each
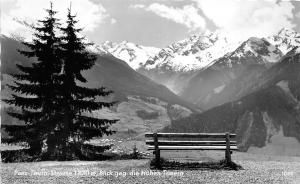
(285, 40)
(253, 51)
(133, 54)
(229, 76)
(201, 51)
(193, 53)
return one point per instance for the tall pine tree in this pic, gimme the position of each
(77, 102)
(56, 110)
(37, 84)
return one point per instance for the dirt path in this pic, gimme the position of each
(137, 171)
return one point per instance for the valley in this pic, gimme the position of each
(204, 83)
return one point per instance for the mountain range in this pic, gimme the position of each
(251, 88)
(196, 62)
(205, 83)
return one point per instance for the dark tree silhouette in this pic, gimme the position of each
(77, 101)
(38, 85)
(55, 109)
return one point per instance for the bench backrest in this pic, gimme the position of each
(190, 141)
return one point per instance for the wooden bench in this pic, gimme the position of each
(178, 141)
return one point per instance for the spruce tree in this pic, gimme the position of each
(56, 110)
(36, 85)
(77, 102)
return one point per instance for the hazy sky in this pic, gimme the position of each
(158, 22)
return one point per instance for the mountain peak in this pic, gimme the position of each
(286, 32)
(255, 39)
(133, 54)
(194, 53)
(285, 40)
(252, 51)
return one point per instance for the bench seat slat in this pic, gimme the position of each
(192, 147)
(190, 143)
(191, 135)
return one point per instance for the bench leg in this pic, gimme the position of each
(157, 152)
(227, 151)
(157, 159)
(228, 156)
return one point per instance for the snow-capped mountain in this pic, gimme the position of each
(193, 53)
(134, 55)
(252, 51)
(200, 51)
(285, 40)
(176, 64)
(226, 79)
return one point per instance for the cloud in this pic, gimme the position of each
(248, 18)
(187, 16)
(298, 15)
(113, 21)
(89, 14)
(137, 6)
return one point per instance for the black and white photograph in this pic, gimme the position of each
(150, 91)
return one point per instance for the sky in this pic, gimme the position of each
(157, 23)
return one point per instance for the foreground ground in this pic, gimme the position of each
(257, 169)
